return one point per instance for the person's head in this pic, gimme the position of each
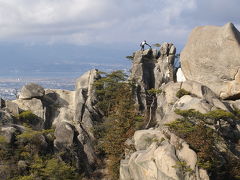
(145, 41)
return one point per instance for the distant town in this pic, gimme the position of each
(9, 88)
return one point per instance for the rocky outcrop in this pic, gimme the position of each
(152, 153)
(86, 113)
(164, 71)
(71, 113)
(59, 106)
(158, 156)
(150, 69)
(211, 57)
(142, 74)
(200, 84)
(199, 97)
(31, 90)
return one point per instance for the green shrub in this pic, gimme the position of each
(130, 57)
(2, 140)
(182, 92)
(154, 91)
(202, 139)
(28, 117)
(157, 45)
(182, 165)
(121, 119)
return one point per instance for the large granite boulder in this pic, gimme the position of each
(31, 90)
(198, 97)
(59, 105)
(34, 105)
(158, 152)
(212, 57)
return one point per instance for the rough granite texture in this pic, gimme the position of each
(212, 57)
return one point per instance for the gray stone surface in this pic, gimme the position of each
(211, 57)
(64, 134)
(59, 106)
(189, 102)
(142, 68)
(31, 90)
(34, 105)
(201, 98)
(9, 133)
(85, 112)
(158, 159)
(150, 69)
(164, 71)
(12, 107)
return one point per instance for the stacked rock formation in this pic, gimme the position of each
(70, 113)
(210, 63)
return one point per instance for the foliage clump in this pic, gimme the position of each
(154, 91)
(157, 45)
(120, 118)
(182, 92)
(193, 128)
(2, 139)
(36, 151)
(130, 58)
(27, 117)
(182, 165)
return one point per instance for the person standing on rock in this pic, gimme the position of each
(143, 44)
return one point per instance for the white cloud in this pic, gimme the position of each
(85, 21)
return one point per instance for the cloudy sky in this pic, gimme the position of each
(65, 30)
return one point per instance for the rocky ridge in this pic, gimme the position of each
(159, 152)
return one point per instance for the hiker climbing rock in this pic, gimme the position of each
(143, 44)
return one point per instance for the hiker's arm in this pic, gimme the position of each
(148, 45)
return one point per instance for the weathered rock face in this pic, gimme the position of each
(152, 68)
(86, 113)
(142, 73)
(12, 107)
(58, 106)
(212, 57)
(158, 153)
(72, 113)
(201, 98)
(31, 90)
(164, 70)
(142, 68)
(34, 105)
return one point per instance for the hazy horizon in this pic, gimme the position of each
(68, 37)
